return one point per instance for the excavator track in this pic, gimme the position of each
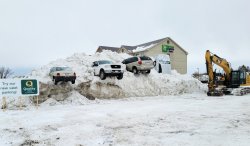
(241, 91)
(216, 93)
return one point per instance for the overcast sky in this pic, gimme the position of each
(35, 32)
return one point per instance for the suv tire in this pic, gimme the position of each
(102, 75)
(73, 81)
(120, 76)
(56, 81)
(134, 70)
(148, 71)
(160, 70)
(154, 63)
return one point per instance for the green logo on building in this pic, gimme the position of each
(29, 87)
(167, 48)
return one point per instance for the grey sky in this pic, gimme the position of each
(35, 32)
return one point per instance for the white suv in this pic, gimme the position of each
(62, 74)
(103, 68)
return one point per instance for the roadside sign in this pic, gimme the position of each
(29, 87)
(18, 87)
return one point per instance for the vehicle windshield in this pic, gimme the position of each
(145, 58)
(164, 61)
(105, 62)
(63, 69)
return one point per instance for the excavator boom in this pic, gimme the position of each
(233, 78)
(210, 59)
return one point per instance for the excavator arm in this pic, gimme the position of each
(224, 64)
(209, 65)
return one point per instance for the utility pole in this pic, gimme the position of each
(198, 73)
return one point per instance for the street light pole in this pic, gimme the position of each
(198, 74)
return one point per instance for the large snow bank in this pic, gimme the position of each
(130, 86)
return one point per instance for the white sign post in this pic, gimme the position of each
(18, 88)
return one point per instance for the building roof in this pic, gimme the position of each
(151, 43)
(145, 46)
(178, 45)
(114, 49)
(142, 47)
(129, 47)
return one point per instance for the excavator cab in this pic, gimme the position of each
(242, 77)
(236, 79)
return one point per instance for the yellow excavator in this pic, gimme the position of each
(232, 82)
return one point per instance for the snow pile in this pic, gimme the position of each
(74, 99)
(77, 99)
(80, 63)
(131, 85)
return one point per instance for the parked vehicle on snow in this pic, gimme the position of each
(162, 64)
(204, 78)
(138, 64)
(104, 68)
(62, 74)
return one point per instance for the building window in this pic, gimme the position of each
(168, 42)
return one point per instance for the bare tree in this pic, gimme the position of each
(244, 68)
(196, 75)
(5, 72)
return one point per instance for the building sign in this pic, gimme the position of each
(167, 48)
(18, 87)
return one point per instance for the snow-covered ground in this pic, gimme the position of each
(183, 120)
(144, 110)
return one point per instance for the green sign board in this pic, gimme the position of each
(29, 87)
(167, 48)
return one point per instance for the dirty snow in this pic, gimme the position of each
(183, 120)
